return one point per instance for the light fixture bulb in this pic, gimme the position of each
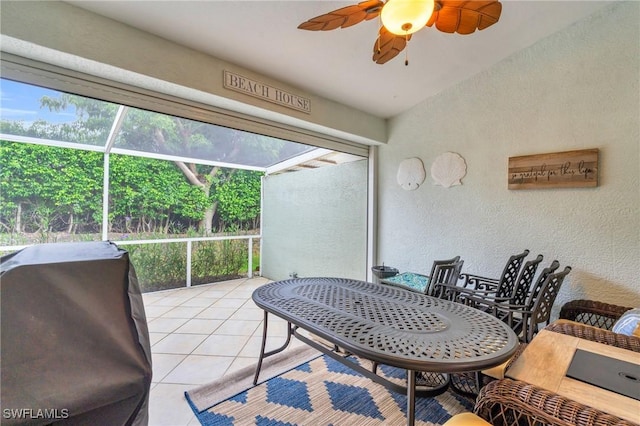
(403, 17)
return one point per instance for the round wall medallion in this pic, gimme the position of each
(448, 169)
(411, 174)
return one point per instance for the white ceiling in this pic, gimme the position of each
(263, 36)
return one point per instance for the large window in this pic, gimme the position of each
(210, 183)
(78, 168)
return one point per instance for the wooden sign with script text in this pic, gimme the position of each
(569, 169)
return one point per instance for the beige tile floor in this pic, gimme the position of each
(199, 334)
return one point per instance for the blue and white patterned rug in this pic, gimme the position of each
(324, 392)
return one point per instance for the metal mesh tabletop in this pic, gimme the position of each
(391, 325)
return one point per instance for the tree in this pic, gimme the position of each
(239, 198)
(149, 195)
(188, 138)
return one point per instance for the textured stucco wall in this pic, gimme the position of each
(314, 222)
(577, 89)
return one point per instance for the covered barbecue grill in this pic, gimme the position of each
(75, 344)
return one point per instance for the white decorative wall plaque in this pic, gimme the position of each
(448, 169)
(411, 174)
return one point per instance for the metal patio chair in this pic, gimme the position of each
(525, 319)
(443, 274)
(436, 263)
(500, 287)
(420, 283)
(512, 292)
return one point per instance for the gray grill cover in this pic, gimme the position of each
(75, 344)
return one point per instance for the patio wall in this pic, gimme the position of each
(314, 222)
(577, 89)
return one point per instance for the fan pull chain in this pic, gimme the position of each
(406, 51)
(379, 32)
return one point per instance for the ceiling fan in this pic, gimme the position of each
(401, 18)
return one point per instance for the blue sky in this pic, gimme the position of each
(21, 102)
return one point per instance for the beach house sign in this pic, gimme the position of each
(265, 92)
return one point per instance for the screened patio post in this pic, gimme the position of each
(111, 139)
(105, 198)
(189, 247)
(250, 259)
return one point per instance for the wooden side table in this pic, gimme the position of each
(546, 359)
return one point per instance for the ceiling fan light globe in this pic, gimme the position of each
(403, 17)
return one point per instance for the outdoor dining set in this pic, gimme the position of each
(513, 297)
(489, 339)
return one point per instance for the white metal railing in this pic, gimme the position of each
(189, 242)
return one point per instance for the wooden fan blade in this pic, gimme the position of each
(464, 17)
(344, 17)
(388, 45)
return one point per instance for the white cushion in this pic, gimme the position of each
(628, 323)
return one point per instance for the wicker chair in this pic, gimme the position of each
(592, 320)
(591, 312)
(508, 402)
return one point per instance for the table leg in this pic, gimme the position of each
(264, 344)
(411, 397)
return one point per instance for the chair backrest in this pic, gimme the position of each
(517, 293)
(540, 282)
(442, 262)
(511, 271)
(542, 304)
(443, 274)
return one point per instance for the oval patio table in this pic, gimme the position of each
(386, 325)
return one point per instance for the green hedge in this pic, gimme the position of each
(163, 266)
